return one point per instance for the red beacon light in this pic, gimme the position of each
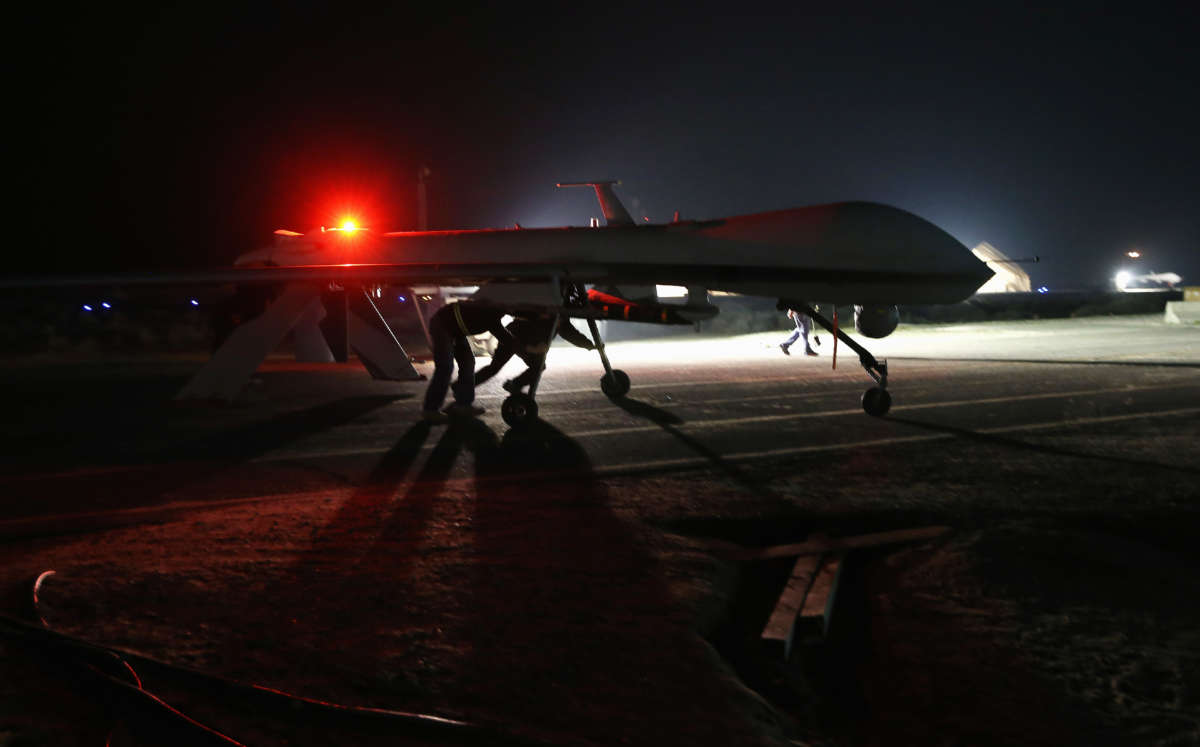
(349, 227)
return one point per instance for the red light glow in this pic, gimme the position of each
(347, 226)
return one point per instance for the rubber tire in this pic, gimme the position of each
(519, 409)
(617, 386)
(876, 402)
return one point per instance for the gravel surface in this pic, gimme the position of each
(565, 586)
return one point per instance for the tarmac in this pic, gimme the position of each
(616, 512)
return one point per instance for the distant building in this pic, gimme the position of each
(1009, 277)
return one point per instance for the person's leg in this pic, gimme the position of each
(503, 353)
(534, 363)
(443, 367)
(788, 342)
(805, 328)
(464, 388)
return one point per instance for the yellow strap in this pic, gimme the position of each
(458, 317)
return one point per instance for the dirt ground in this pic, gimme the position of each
(1032, 633)
(501, 579)
(1080, 637)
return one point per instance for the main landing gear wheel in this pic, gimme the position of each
(876, 401)
(615, 385)
(519, 409)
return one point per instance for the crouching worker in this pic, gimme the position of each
(532, 339)
(448, 329)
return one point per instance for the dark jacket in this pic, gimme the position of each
(464, 318)
(536, 332)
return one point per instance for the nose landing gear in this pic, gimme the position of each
(615, 382)
(876, 401)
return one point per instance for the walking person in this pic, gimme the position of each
(448, 329)
(803, 327)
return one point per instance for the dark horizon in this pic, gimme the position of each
(181, 137)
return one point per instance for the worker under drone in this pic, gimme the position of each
(529, 337)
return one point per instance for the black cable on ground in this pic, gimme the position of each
(114, 669)
(109, 672)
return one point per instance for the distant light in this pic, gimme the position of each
(1133, 255)
(194, 302)
(1122, 279)
(401, 299)
(1043, 289)
(86, 307)
(106, 304)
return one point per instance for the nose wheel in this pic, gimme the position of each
(615, 384)
(876, 401)
(519, 409)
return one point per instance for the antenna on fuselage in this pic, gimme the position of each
(615, 213)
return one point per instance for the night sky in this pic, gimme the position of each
(181, 136)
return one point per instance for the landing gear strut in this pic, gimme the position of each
(876, 401)
(615, 382)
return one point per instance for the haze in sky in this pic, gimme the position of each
(181, 136)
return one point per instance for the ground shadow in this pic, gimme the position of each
(1015, 443)
(97, 413)
(571, 616)
(1140, 364)
(940, 664)
(292, 607)
(645, 410)
(161, 462)
(743, 477)
(667, 421)
(255, 439)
